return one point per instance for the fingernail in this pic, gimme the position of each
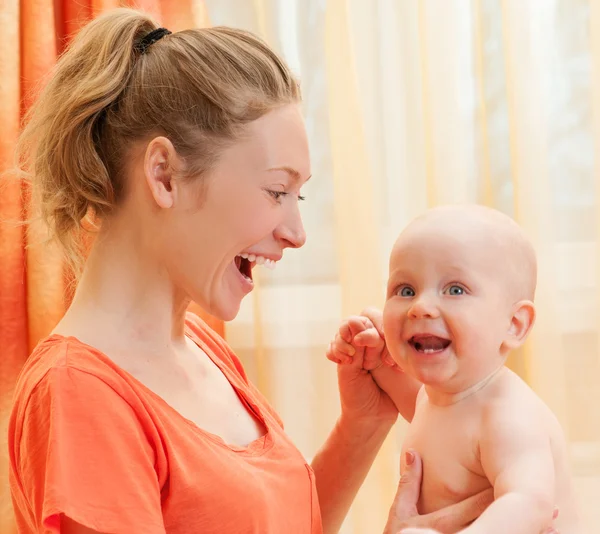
(352, 351)
(410, 457)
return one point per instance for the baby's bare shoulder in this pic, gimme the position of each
(512, 405)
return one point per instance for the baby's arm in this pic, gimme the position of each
(517, 459)
(400, 387)
(358, 336)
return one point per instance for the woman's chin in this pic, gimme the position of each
(224, 309)
(227, 309)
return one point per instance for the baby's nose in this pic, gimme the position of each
(424, 308)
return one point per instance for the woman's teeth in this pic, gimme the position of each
(259, 260)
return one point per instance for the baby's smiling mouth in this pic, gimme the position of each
(428, 344)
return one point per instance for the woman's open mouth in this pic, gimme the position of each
(246, 262)
(244, 265)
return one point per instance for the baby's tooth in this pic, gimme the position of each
(260, 260)
(245, 256)
(251, 257)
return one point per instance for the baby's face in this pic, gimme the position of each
(448, 307)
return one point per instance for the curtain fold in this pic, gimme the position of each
(13, 305)
(356, 227)
(527, 44)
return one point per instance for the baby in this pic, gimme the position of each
(459, 299)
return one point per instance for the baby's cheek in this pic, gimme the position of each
(399, 354)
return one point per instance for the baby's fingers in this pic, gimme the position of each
(369, 338)
(343, 347)
(340, 352)
(352, 326)
(332, 355)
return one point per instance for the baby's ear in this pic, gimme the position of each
(522, 319)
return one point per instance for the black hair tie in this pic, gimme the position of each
(150, 39)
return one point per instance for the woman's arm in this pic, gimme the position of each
(343, 462)
(341, 466)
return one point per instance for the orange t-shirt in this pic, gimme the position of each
(88, 440)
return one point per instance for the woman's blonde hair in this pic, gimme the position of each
(196, 87)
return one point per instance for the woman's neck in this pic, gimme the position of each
(124, 294)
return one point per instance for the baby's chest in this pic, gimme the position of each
(449, 449)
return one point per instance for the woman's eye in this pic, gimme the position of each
(277, 194)
(455, 291)
(406, 291)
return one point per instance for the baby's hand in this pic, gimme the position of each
(357, 333)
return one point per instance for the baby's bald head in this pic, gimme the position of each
(487, 234)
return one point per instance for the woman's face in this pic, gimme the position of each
(246, 214)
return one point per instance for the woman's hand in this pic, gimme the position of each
(361, 398)
(363, 394)
(405, 519)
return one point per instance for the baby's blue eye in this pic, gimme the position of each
(456, 290)
(406, 291)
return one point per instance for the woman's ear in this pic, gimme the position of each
(521, 322)
(159, 163)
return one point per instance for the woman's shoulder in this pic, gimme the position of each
(62, 365)
(78, 435)
(56, 353)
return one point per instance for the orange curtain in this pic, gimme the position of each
(33, 280)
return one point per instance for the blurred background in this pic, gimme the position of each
(409, 104)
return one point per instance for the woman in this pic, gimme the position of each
(188, 151)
